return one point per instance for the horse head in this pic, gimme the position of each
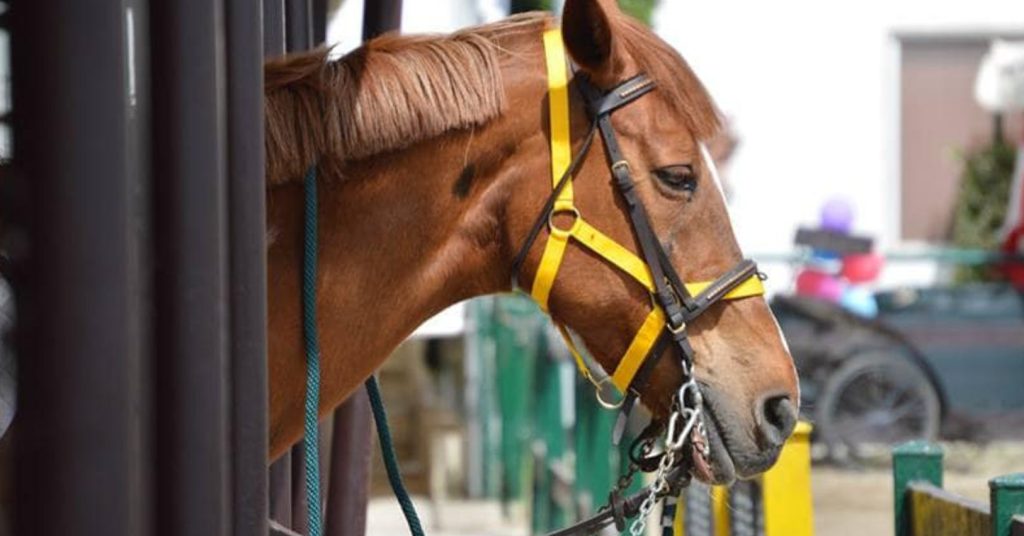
(436, 159)
(749, 385)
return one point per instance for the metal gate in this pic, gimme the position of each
(134, 222)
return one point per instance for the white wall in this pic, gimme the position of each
(418, 16)
(813, 90)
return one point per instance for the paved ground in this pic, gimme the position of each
(846, 502)
(457, 518)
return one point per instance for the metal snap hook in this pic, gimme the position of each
(690, 387)
(674, 441)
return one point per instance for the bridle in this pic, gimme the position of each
(674, 304)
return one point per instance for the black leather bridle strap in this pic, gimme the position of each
(625, 93)
(723, 285)
(602, 105)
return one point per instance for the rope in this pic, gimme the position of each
(387, 450)
(310, 443)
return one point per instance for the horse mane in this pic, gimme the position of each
(386, 95)
(396, 90)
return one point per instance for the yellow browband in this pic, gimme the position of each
(594, 240)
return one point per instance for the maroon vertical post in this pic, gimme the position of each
(247, 267)
(77, 244)
(192, 327)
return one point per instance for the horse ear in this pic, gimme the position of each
(588, 33)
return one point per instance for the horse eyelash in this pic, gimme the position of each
(679, 177)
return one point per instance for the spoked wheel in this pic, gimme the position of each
(876, 399)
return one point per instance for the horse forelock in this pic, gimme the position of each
(677, 83)
(386, 95)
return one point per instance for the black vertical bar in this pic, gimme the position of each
(298, 25)
(248, 266)
(319, 22)
(78, 278)
(300, 504)
(273, 28)
(189, 156)
(381, 16)
(280, 472)
(281, 489)
(350, 467)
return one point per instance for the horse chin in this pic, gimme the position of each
(717, 467)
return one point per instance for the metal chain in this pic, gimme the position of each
(686, 408)
(659, 488)
(626, 479)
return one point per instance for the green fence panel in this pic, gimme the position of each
(913, 461)
(517, 349)
(1007, 501)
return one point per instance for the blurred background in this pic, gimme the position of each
(869, 164)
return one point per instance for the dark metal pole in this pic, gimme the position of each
(248, 266)
(381, 16)
(319, 22)
(78, 276)
(273, 28)
(300, 506)
(298, 24)
(350, 467)
(192, 327)
(280, 474)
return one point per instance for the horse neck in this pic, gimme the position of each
(402, 236)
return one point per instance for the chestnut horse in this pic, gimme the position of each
(434, 162)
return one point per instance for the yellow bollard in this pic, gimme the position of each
(720, 510)
(786, 488)
(785, 495)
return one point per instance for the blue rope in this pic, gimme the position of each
(310, 443)
(387, 450)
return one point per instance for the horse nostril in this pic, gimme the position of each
(776, 419)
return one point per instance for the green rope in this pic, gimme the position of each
(310, 443)
(387, 451)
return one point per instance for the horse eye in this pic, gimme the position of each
(679, 177)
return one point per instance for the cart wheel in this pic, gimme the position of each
(876, 399)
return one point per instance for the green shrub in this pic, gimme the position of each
(981, 205)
